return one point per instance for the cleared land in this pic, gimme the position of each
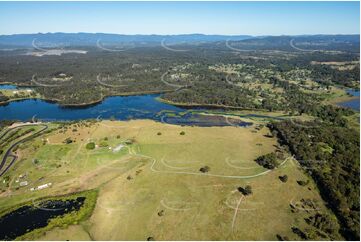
(152, 187)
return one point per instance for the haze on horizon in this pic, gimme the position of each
(223, 18)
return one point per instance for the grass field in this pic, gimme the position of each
(151, 185)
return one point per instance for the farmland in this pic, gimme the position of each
(154, 180)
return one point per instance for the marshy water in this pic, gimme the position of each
(36, 215)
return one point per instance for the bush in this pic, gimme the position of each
(283, 178)
(159, 133)
(103, 143)
(268, 161)
(68, 141)
(303, 183)
(245, 191)
(204, 169)
(90, 146)
(182, 133)
(161, 213)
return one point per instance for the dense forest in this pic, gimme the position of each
(331, 155)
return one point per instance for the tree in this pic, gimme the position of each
(268, 161)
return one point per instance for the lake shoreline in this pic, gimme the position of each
(82, 105)
(208, 106)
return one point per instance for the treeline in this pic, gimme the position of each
(327, 75)
(331, 155)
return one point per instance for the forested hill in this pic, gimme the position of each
(299, 42)
(303, 43)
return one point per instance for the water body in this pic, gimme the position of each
(7, 87)
(118, 108)
(355, 103)
(28, 218)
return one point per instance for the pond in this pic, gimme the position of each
(36, 215)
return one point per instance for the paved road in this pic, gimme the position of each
(8, 151)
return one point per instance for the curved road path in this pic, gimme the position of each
(8, 151)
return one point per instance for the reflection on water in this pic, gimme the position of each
(118, 108)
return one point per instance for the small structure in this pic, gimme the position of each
(41, 187)
(118, 148)
(44, 186)
(23, 183)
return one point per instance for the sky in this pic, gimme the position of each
(227, 18)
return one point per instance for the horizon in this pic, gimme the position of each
(178, 18)
(230, 35)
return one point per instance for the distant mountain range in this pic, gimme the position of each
(51, 40)
(89, 39)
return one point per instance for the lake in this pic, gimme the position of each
(355, 103)
(117, 108)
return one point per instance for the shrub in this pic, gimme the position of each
(159, 133)
(283, 178)
(68, 141)
(204, 169)
(90, 146)
(161, 213)
(182, 133)
(303, 183)
(245, 191)
(103, 143)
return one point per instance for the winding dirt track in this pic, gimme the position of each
(8, 151)
(202, 174)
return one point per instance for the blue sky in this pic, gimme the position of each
(231, 18)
